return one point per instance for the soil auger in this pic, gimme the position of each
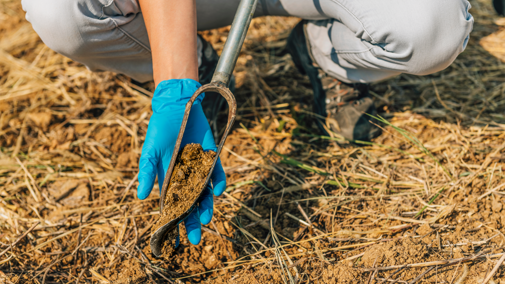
(219, 84)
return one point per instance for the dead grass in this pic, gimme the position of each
(299, 207)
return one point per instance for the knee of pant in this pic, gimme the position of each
(430, 43)
(56, 23)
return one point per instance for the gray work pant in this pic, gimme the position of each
(351, 40)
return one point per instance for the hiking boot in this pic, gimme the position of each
(340, 107)
(213, 102)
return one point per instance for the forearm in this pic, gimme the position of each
(171, 27)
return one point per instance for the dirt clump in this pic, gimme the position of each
(404, 251)
(188, 177)
(131, 271)
(342, 273)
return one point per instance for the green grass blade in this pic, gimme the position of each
(289, 161)
(429, 203)
(413, 140)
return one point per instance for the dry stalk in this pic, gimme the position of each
(448, 262)
(496, 267)
(20, 238)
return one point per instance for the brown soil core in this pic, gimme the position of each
(188, 177)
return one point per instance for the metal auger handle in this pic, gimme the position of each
(233, 45)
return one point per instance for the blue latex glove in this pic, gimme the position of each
(168, 105)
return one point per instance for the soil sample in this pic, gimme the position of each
(188, 177)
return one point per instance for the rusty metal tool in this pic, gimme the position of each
(219, 84)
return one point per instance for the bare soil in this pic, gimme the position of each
(129, 272)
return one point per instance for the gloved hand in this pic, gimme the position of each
(168, 105)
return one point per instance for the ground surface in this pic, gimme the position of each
(423, 203)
